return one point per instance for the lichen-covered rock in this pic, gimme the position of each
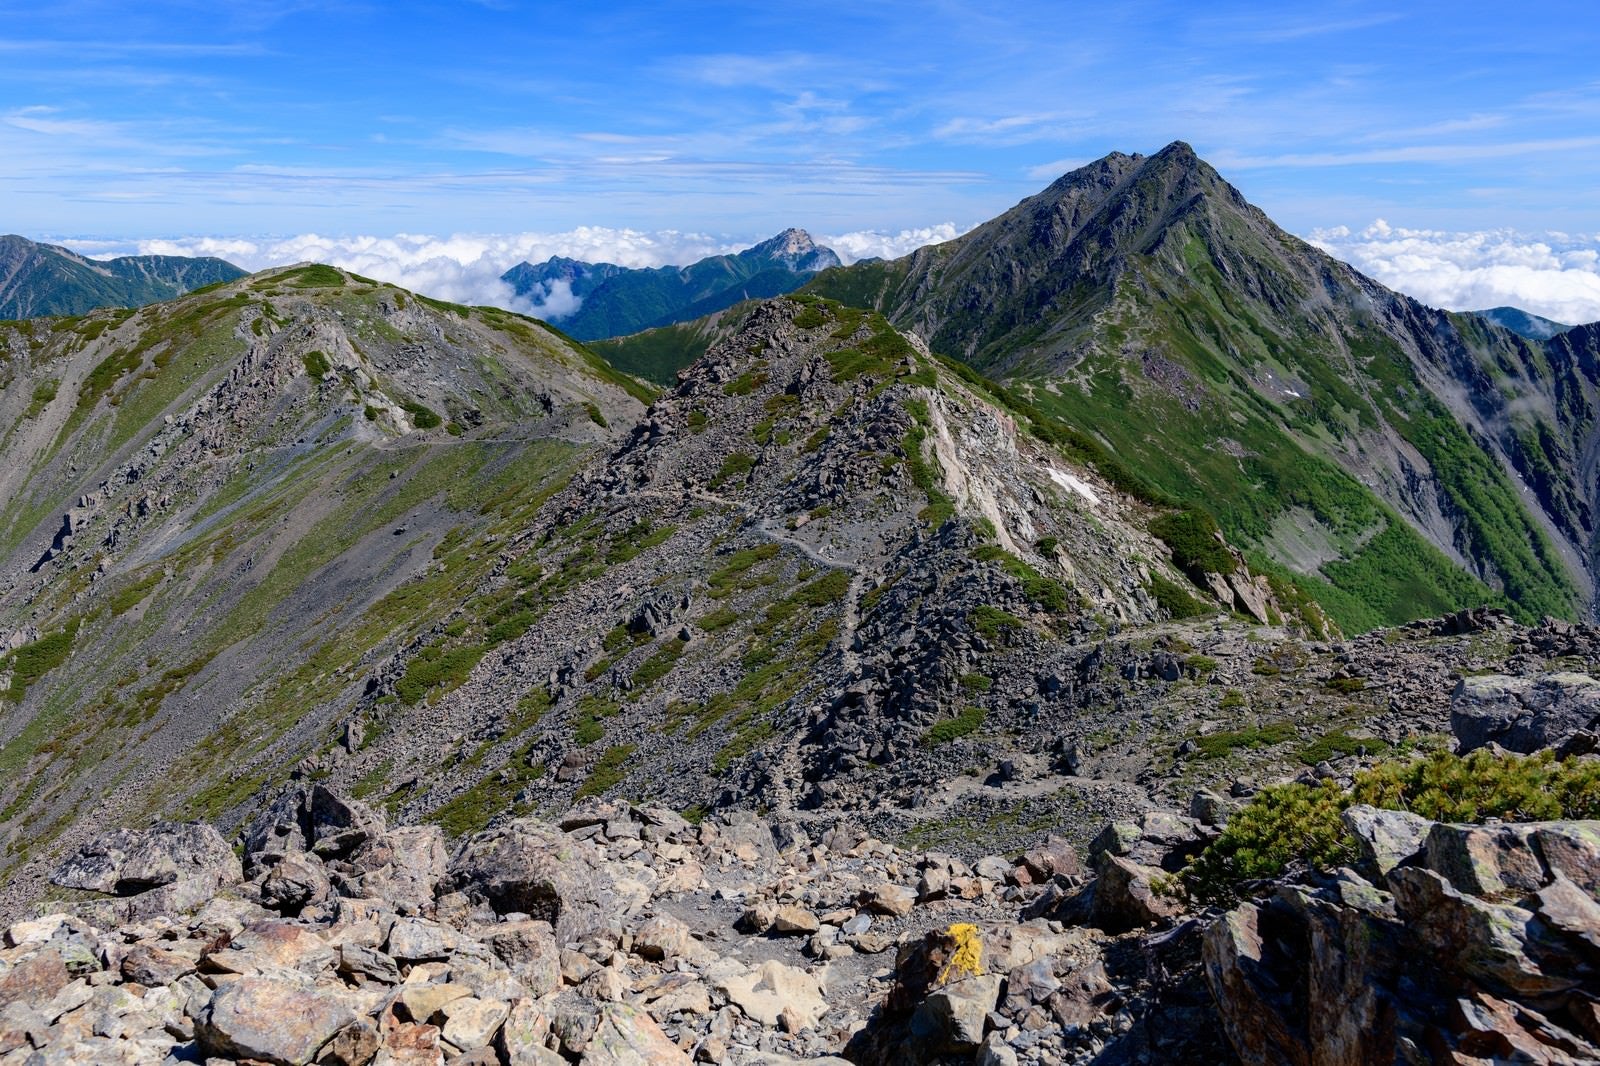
(128, 862)
(1125, 897)
(528, 868)
(627, 1036)
(1523, 714)
(270, 1019)
(1386, 838)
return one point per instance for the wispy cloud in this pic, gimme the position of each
(1422, 153)
(1007, 129)
(81, 49)
(1054, 169)
(771, 70)
(1283, 32)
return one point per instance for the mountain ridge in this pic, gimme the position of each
(1154, 274)
(1523, 323)
(217, 502)
(614, 300)
(45, 279)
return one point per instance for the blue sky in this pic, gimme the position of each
(731, 121)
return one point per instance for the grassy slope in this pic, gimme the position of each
(658, 354)
(269, 539)
(1207, 434)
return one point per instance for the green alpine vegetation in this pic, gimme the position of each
(1241, 375)
(1293, 826)
(299, 534)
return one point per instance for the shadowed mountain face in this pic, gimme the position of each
(1397, 460)
(42, 279)
(1522, 323)
(614, 300)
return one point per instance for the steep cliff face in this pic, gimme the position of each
(1344, 432)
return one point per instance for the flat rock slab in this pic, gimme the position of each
(271, 1020)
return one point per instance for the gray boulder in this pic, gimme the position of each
(527, 867)
(127, 862)
(404, 867)
(295, 883)
(1523, 714)
(1125, 897)
(309, 819)
(1386, 838)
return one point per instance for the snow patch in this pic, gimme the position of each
(1076, 484)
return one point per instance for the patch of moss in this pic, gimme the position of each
(745, 383)
(1216, 745)
(1337, 745)
(656, 667)
(32, 661)
(993, 623)
(1174, 600)
(608, 772)
(721, 618)
(317, 365)
(968, 721)
(422, 417)
(736, 465)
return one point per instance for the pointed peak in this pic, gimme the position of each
(795, 249)
(792, 241)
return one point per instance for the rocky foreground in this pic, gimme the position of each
(627, 935)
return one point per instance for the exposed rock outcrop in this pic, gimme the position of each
(1482, 944)
(1525, 714)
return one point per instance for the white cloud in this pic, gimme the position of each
(466, 268)
(864, 244)
(1556, 275)
(462, 268)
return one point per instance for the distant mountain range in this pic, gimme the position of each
(615, 300)
(1522, 323)
(44, 279)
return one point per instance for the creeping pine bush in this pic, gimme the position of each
(1297, 827)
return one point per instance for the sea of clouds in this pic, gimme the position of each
(1556, 275)
(466, 268)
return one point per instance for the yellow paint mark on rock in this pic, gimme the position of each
(967, 959)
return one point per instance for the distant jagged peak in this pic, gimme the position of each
(792, 241)
(795, 249)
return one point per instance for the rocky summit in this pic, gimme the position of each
(388, 681)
